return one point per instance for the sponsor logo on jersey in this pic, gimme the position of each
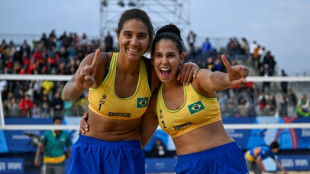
(142, 102)
(178, 127)
(195, 107)
(119, 114)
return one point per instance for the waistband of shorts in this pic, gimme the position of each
(118, 144)
(211, 152)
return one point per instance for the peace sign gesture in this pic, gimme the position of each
(237, 73)
(85, 75)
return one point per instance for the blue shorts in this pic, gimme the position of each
(224, 159)
(91, 155)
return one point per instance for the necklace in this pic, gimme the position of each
(173, 103)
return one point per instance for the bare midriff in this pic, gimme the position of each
(201, 139)
(108, 129)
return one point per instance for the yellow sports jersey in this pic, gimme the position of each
(104, 101)
(197, 111)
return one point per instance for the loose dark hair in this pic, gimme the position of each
(137, 14)
(171, 32)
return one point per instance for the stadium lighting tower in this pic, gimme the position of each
(160, 12)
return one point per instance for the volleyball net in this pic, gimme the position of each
(262, 110)
(298, 84)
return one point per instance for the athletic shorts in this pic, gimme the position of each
(224, 159)
(91, 155)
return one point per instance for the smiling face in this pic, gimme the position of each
(133, 39)
(166, 60)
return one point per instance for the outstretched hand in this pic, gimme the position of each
(85, 75)
(237, 74)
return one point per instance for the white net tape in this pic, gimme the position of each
(75, 127)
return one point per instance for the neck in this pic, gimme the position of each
(171, 85)
(127, 66)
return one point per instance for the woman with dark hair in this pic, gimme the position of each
(191, 114)
(120, 87)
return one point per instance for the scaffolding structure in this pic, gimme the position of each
(160, 12)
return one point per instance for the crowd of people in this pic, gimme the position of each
(61, 55)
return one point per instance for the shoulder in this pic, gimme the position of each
(201, 75)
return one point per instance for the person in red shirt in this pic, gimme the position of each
(26, 105)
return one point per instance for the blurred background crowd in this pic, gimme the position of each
(61, 55)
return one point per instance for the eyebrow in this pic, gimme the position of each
(128, 31)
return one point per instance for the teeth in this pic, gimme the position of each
(132, 50)
(164, 69)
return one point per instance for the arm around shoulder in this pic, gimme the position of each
(149, 121)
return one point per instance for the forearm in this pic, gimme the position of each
(220, 81)
(147, 133)
(38, 152)
(71, 92)
(68, 152)
(279, 165)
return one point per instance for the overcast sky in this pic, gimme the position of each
(279, 25)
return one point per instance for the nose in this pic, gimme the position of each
(164, 60)
(134, 41)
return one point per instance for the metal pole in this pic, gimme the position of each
(1, 112)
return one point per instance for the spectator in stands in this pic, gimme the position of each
(271, 105)
(83, 40)
(252, 47)
(191, 39)
(243, 108)
(303, 109)
(108, 42)
(244, 46)
(283, 105)
(283, 84)
(206, 49)
(256, 57)
(3, 48)
(262, 103)
(36, 111)
(13, 108)
(119, 115)
(262, 53)
(47, 87)
(270, 62)
(53, 144)
(45, 107)
(231, 108)
(25, 49)
(26, 105)
(292, 98)
(159, 149)
(57, 104)
(231, 47)
(266, 73)
(255, 156)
